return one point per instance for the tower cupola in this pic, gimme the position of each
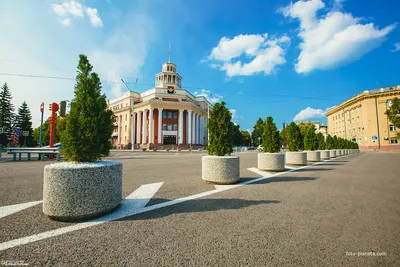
(168, 77)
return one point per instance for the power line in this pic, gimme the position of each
(185, 87)
(28, 64)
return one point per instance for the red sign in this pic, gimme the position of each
(41, 107)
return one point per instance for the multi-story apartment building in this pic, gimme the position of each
(163, 115)
(362, 119)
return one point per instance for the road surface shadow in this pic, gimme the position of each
(199, 205)
(313, 169)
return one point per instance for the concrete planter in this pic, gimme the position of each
(296, 158)
(343, 152)
(220, 169)
(313, 156)
(338, 153)
(76, 191)
(332, 153)
(325, 154)
(271, 162)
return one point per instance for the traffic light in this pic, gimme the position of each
(63, 107)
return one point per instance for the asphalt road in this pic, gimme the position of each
(316, 216)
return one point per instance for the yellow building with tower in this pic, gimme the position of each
(362, 119)
(165, 115)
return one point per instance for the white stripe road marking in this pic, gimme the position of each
(129, 212)
(137, 200)
(8, 210)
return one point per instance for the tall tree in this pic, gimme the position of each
(294, 137)
(271, 140)
(24, 123)
(221, 131)
(305, 126)
(7, 115)
(321, 141)
(258, 130)
(282, 133)
(237, 139)
(393, 113)
(89, 125)
(60, 128)
(246, 138)
(335, 142)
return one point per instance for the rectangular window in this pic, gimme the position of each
(175, 127)
(126, 117)
(169, 115)
(359, 130)
(126, 129)
(359, 141)
(164, 114)
(394, 140)
(169, 127)
(164, 127)
(392, 128)
(175, 115)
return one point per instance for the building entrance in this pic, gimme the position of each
(169, 140)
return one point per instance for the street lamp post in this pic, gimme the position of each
(259, 140)
(132, 118)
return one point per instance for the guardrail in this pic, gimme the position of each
(28, 150)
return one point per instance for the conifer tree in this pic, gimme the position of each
(294, 138)
(271, 140)
(89, 125)
(329, 142)
(321, 141)
(310, 138)
(258, 130)
(24, 123)
(7, 115)
(220, 131)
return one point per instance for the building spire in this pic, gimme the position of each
(169, 54)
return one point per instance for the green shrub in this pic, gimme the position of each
(220, 131)
(87, 136)
(321, 141)
(294, 137)
(271, 140)
(329, 142)
(310, 139)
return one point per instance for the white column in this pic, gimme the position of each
(151, 125)
(201, 130)
(138, 122)
(194, 128)
(180, 127)
(119, 130)
(198, 128)
(144, 125)
(160, 110)
(189, 126)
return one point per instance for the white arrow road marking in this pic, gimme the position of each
(125, 210)
(135, 201)
(290, 167)
(223, 187)
(8, 210)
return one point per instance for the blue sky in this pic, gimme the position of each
(288, 60)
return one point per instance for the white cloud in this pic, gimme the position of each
(310, 113)
(74, 9)
(334, 39)
(66, 22)
(94, 18)
(264, 54)
(396, 47)
(71, 7)
(209, 96)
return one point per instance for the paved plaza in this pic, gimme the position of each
(335, 213)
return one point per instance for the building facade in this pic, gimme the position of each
(163, 115)
(362, 119)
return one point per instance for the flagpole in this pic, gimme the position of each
(169, 54)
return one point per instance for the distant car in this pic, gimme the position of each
(259, 148)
